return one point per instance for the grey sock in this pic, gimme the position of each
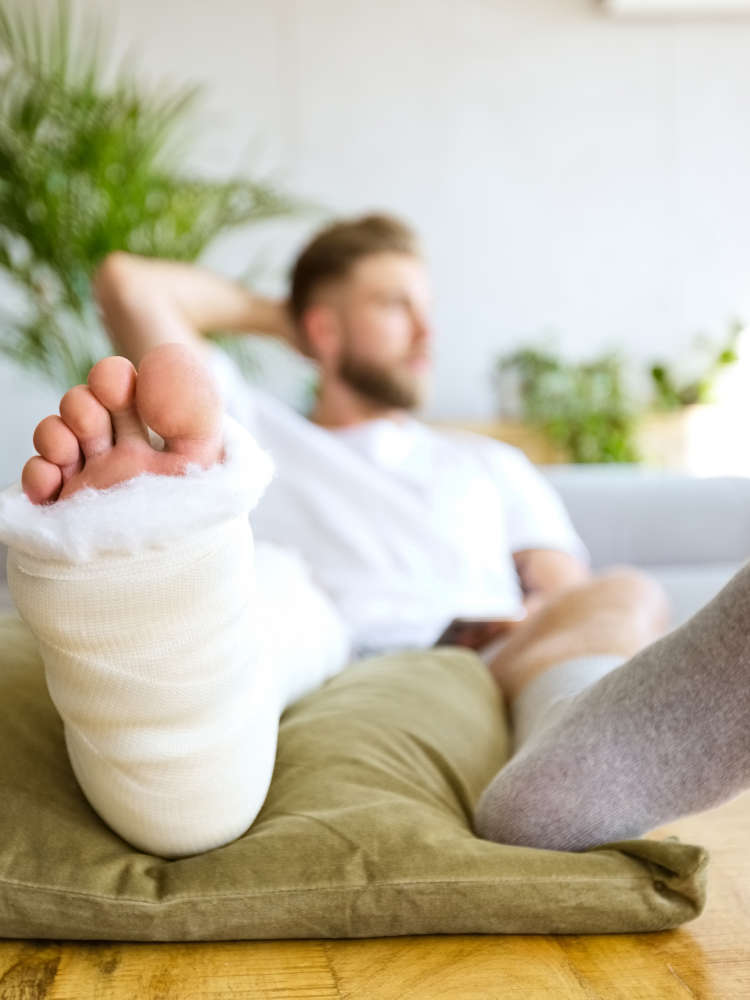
(664, 735)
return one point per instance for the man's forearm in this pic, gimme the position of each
(145, 302)
(544, 573)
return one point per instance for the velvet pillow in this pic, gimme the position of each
(366, 830)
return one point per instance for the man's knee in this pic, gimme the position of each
(620, 598)
(619, 611)
(616, 612)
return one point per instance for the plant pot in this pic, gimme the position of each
(704, 440)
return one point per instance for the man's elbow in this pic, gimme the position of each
(114, 279)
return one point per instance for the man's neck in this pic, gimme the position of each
(337, 406)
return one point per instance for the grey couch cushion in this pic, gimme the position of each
(626, 514)
(690, 587)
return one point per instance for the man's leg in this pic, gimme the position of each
(616, 613)
(605, 758)
(161, 655)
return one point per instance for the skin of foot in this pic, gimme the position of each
(100, 437)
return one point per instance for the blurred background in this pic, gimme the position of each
(578, 174)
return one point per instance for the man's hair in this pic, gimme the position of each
(331, 254)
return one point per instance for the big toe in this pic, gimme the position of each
(177, 397)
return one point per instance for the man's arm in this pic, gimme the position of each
(145, 302)
(546, 572)
(543, 573)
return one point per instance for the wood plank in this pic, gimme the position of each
(211, 971)
(708, 959)
(453, 968)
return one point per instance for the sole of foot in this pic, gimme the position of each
(100, 438)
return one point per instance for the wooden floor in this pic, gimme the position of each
(706, 960)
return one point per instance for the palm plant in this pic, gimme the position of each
(87, 167)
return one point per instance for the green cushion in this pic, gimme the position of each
(366, 830)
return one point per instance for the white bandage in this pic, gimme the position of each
(168, 662)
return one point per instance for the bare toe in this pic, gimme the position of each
(56, 442)
(177, 397)
(88, 419)
(112, 381)
(41, 480)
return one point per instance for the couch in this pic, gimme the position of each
(692, 534)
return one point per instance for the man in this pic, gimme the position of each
(404, 527)
(607, 747)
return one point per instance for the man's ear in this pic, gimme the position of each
(322, 330)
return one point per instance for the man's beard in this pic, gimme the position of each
(380, 385)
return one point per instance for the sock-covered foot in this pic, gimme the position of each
(664, 735)
(100, 437)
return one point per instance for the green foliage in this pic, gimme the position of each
(87, 168)
(585, 408)
(582, 408)
(672, 394)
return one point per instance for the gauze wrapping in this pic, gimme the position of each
(168, 657)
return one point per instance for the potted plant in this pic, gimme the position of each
(562, 411)
(687, 425)
(582, 409)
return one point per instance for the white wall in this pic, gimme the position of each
(568, 171)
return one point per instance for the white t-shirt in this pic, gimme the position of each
(405, 527)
